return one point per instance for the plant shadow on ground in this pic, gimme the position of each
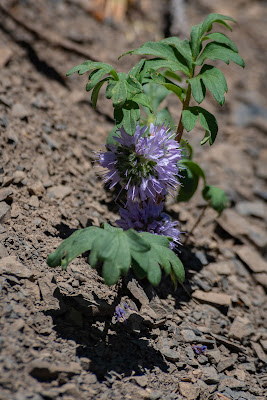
(116, 346)
(109, 346)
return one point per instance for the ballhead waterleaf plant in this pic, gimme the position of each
(150, 163)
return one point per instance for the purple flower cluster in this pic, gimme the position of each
(146, 165)
(148, 217)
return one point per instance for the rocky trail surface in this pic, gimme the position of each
(59, 338)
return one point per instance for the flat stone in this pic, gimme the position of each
(19, 177)
(240, 328)
(263, 342)
(188, 335)
(138, 292)
(10, 266)
(232, 383)
(209, 375)
(238, 227)
(261, 278)
(4, 212)
(19, 111)
(141, 380)
(170, 354)
(46, 371)
(251, 258)
(189, 390)
(259, 351)
(222, 268)
(214, 356)
(5, 55)
(5, 193)
(226, 363)
(59, 192)
(3, 251)
(254, 208)
(34, 202)
(220, 299)
(36, 189)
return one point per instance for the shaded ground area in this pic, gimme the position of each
(59, 338)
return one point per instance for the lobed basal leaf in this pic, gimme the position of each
(117, 250)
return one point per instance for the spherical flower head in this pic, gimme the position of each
(148, 217)
(144, 164)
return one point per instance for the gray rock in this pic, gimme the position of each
(188, 335)
(241, 328)
(254, 208)
(5, 194)
(209, 375)
(45, 371)
(19, 111)
(226, 363)
(59, 192)
(4, 212)
(232, 383)
(36, 189)
(189, 390)
(10, 266)
(214, 356)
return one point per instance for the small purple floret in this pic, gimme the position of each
(148, 217)
(199, 349)
(119, 314)
(144, 164)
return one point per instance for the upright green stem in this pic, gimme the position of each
(180, 128)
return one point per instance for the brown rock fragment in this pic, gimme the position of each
(4, 212)
(189, 390)
(241, 327)
(252, 258)
(220, 299)
(36, 189)
(10, 266)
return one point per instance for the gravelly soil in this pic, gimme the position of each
(58, 335)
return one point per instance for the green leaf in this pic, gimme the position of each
(207, 121)
(143, 100)
(156, 94)
(190, 179)
(110, 272)
(135, 71)
(96, 90)
(175, 89)
(198, 31)
(182, 46)
(119, 94)
(127, 116)
(163, 116)
(189, 119)
(212, 18)
(172, 75)
(218, 51)
(195, 169)
(188, 150)
(160, 254)
(216, 198)
(221, 38)
(212, 78)
(110, 86)
(163, 51)
(78, 243)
